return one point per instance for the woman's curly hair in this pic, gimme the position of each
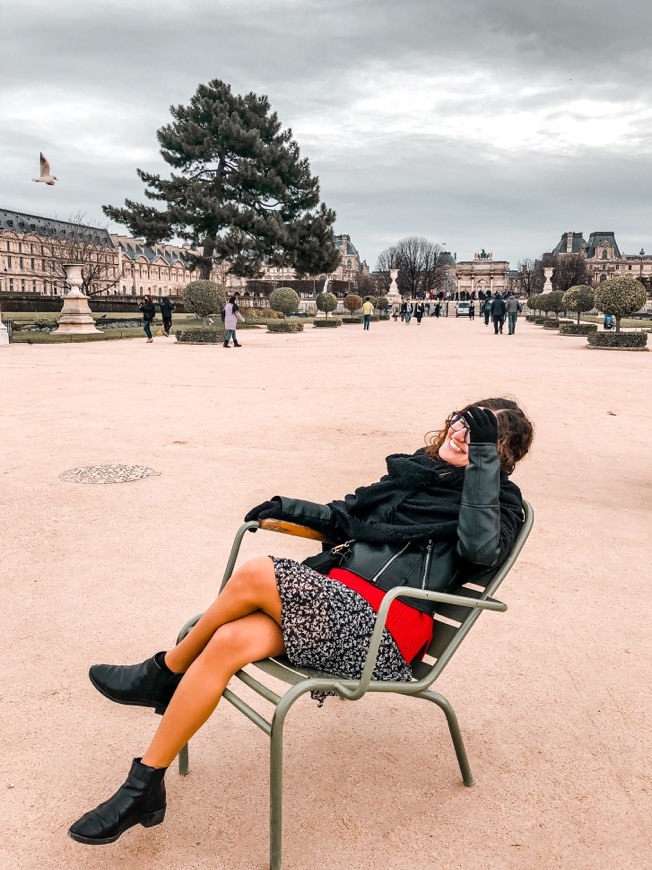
(515, 432)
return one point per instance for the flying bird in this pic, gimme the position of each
(45, 177)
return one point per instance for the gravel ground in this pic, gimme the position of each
(553, 696)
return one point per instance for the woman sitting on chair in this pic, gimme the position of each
(437, 517)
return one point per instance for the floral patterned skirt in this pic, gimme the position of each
(328, 627)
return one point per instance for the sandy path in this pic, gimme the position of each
(553, 697)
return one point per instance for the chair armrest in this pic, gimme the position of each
(286, 528)
(381, 619)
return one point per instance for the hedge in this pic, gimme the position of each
(285, 326)
(551, 324)
(578, 328)
(327, 321)
(201, 336)
(358, 320)
(618, 340)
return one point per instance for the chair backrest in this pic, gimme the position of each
(454, 621)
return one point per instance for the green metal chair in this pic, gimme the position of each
(456, 614)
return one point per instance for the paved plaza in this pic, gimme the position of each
(553, 696)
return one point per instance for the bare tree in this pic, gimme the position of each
(89, 244)
(525, 277)
(570, 271)
(420, 264)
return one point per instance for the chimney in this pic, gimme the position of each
(569, 242)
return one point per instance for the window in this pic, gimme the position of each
(603, 277)
(11, 285)
(22, 285)
(31, 264)
(8, 262)
(20, 263)
(604, 255)
(33, 286)
(630, 268)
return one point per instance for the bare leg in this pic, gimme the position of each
(232, 646)
(251, 588)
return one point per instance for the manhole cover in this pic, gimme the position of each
(107, 473)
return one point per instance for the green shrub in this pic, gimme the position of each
(578, 298)
(382, 303)
(201, 336)
(286, 300)
(203, 298)
(551, 324)
(618, 339)
(326, 302)
(620, 297)
(286, 325)
(259, 313)
(44, 323)
(327, 321)
(577, 328)
(348, 320)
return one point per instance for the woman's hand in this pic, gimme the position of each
(266, 511)
(483, 425)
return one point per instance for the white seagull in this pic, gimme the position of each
(45, 177)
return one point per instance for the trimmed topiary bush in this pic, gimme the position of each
(382, 304)
(620, 297)
(327, 321)
(201, 336)
(203, 298)
(577, 328)
(326, 302)
(347, 320)
(551, 324)
(352, 303)
(553, 302)
(579, 298)
(286, 326)
(618, 340)
(286, 300)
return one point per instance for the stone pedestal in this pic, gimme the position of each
(4, 333)
(75, 314)
(392, 294)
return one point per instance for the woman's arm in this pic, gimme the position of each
(486, 528)
(305, 513)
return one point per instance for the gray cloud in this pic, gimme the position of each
(495, 124)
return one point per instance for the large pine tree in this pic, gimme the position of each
(241, 192)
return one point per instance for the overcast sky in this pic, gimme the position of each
(475, 123)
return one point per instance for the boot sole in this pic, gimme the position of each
(158, 708)
(147, 821)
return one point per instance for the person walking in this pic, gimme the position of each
(406, 311)
(498, 310)
(419, 310)
(486, 310)
(472, 311)
(231, 316)
(149, 313)
(166, 313)
(513, 310)
(438, 310)
(367, 311)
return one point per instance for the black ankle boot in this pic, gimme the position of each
(140, 801)
(235, 344)
(143, 685)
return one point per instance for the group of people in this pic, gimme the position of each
(149, 313)
(407, 309)
(498, 309)
(230, 316)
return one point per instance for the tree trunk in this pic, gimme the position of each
(207, 263)
(578, 318)
(617, 325)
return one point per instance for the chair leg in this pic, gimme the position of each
(184, 761)
(276, 794)
(456, 734)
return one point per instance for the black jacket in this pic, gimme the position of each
(425, 524)
(166, 309)
(498, 308)
(148, 309)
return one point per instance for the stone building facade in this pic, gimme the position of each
(604, 258)
(33, 248)
(483, 273)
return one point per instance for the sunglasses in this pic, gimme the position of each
(457, 423)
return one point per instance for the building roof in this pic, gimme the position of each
(134, 249)
(447, 259)
(597, 238)
(578, 244)
(28, 224)
(343, 242)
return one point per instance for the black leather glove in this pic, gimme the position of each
(483, 425)
(265, 511)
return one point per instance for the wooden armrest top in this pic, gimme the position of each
(295, 529)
